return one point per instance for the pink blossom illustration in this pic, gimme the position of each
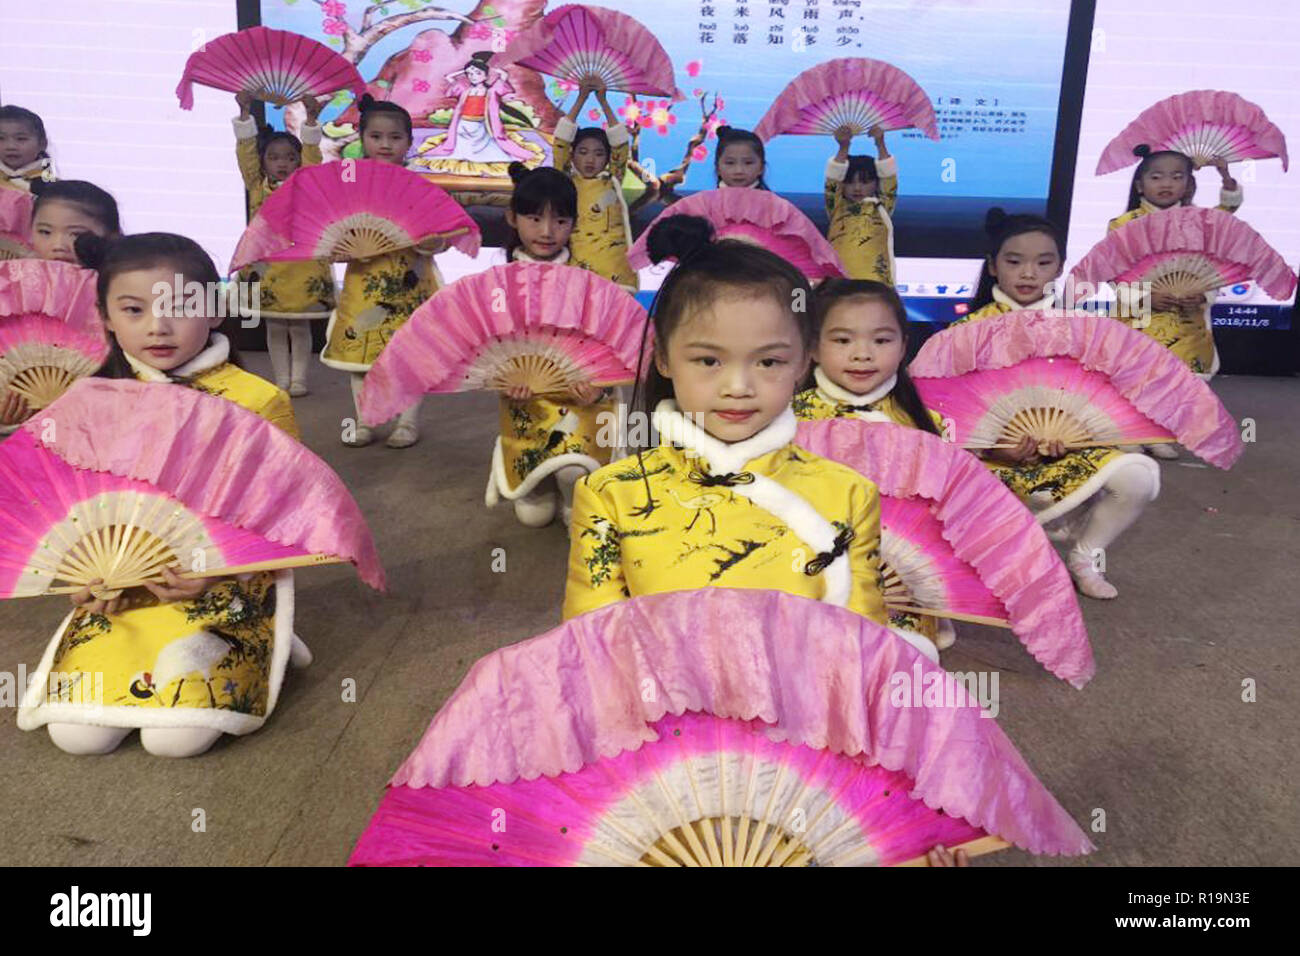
(693, 68)
(420, 86)
(699, 153)
(335, 27)
(661, 118)
(334, 9)
(421, 56)
(593, 114)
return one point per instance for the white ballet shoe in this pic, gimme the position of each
(947, 635)
(404, 436)
(1088, 579)
(298, 390)
(1163, 452)
(361, 437)
(536, 510)
(299, 653)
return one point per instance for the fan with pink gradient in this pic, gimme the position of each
(1207, 125)
(40, 356)
(47, 287)
(543, 325)
(1187, 251)
(956, 543)
(757, 216)
(354, 209)
(1080, 378)
(852, 91)
(272, 65)
(15, 224)
(83, 498)
(580, 43)
(630, 736)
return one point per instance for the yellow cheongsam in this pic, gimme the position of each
(601, 235)
(862, 233)
(379, 295)
(544, 434)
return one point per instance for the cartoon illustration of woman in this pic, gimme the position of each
(476, 134)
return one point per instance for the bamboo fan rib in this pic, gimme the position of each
(362, 235)
(1208, 142)
(538, 362)
(1045, 414)
(1187, 275)
(40, 372)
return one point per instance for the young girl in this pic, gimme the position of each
(289, 292)
(1025, 257)
(858, 373)
(1162, 180)
(65, 210)
(596, 161)
(235, 631)
(860, 196)
(23, 156)
(740, 160)
(379, 294)
(726, 499)
(547, 442)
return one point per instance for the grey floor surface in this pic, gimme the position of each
(1186, 772)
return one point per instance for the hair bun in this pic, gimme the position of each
(725, 131)
(1142, 149)
(678, 237)
(91, 250)
(517, 171)
(366, 102)
(994, 220)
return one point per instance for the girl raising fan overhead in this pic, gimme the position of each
(861, 193)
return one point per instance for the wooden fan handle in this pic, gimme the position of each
(955, 615)
(979, 847)
(298, 561)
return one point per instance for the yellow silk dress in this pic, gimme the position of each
(601, 235)
(862, 233)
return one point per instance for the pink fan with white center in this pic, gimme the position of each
(1187, 251)
(340, 213)
(1207, 125)
(956, 543)
(722, 765)
(1083, 379)
(48, 287)
(757, 216)
(16, 224)
(121, 479)
(543, 325)
(277, 66)
(579, 43)
(853, 91)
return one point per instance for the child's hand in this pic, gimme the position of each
(586, 394)
(942, 856)
(177, 588)
(1190, 303)
(1221, 165)
(1025, 451)
(13, 409)
(431, 246)
(519, 393)
(245, 101)
(844, 135)
(313, 108)
(1051, 449)
(92, 604)
(1164, 302)
(877, 133)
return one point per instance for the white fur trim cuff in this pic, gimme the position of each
(836, 170)
(309, 134)
(887, 168)
(565, 129)
(617, 135)
(244, 128)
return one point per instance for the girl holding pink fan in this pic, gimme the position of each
(66, 209)
(547, 442)
(23, 145)
(288, 292)
(1026, 255)
(726, 499)
(147, 641)
(380, 293)
(596, 161)
(861, 193)
(1165, 179)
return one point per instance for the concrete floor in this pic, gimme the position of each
(1186, 773)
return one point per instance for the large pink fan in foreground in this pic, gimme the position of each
(757, 216)
(710, 727)
(576, 42)
(15, 224)
(550, 327)
(1206, 125)
(1187, 251)
(1086, 375)
(339, 214)
(958, 541)
(852, 91)
(272, 65)
(194, 480)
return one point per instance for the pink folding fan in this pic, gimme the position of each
(631, 735)
(956, 543)
(15, 224)
(272, 65)
(852, 91)
(550, 327)
(757, 216)
(577, 42)
(1206, 125)
(121, 479)
(59, 290)
(353, 209)
(1076, 377)
(1187, 251)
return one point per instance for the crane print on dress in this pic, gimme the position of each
(201, 652)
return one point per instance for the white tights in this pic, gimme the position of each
(87, 739)
(407, 417)
(1127, 491)
(289, 343)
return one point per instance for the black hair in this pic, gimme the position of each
(1000, 227)
(727, 135)
(371, 107)
(267, 137)
(89, 198)
(834, 291)
(596, 133)
(147, 250)
(17, 114)
(861, 168)
(706, 269)
(1149, 156)
(537, 190)
(483, 60)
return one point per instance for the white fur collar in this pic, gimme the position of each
(520, 255)
(1046, 302)
(216, 353)
(844, 397)
(723, 457)
(40, 162)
